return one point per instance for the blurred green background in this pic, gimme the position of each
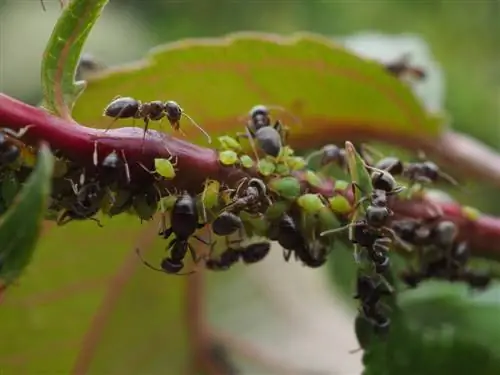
(464, 38)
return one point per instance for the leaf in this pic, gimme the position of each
(358, 173)
(330, 89)
(20, 225)
(61, 56)
(441, 329)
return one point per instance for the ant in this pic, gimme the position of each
(184, 223)
(291, 240)
(226, 224)
(370, 295)
(402, 67)
(423, 172)
(251, 199)
(86, 205)
(249, 253)
(270, 137)
(156, 110)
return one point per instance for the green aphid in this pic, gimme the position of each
(287, 151)
(282, 169)
(167, 203)
(165, 168)
(229, 144)
(296, 163)
(327, 220)
(228, 158)
(210, 195)
(246, 161)
(341, 185)
(311, 204)
(313, 179)
(257, 225)
(266, 167)
(286, 187)
(339, 204)
(276, 210)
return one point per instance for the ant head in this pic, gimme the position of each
(170, 267)
(259, 110)
(383, 180)
(430, 169)
(446, 232)
(173, 111)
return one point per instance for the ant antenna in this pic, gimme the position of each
(296, 119)
(252, 143)
(209, 139)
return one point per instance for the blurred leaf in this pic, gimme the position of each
(62, 54)
(441, 329)
(219, 80)
(20, 225)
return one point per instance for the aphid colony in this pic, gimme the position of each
(277, 201)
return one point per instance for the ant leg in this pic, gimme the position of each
(99, 224)
(287, 254)
(205, 242)
(94, 155)
(166, 233)
(127, 169)
(18, 134)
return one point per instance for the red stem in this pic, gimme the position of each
(196, 164)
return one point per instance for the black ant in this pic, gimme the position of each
(250, 199)
(86, 64)
(249, 253)
(156, 110)
(370, 295)
(291, 240)
(270, 137)
(226, 224)
(402, 67)
(423, 172)
(330, 154)
(86, 205)
(184, 223)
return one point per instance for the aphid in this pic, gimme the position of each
(226, 224)
(286, 187)
(339, 204)
(246, 161)
(313, 179)
(163, 167)
(184, 223)
(210, 195)
(282, 169)
(296, 163)
(311, 203)
(228, 158)
(266, 167)
(229, 143)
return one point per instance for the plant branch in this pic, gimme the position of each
(196, 164)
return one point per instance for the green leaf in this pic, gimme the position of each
(441, 329)
(20, 225)
(61, 56)
(329, 88)
(358, 173)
